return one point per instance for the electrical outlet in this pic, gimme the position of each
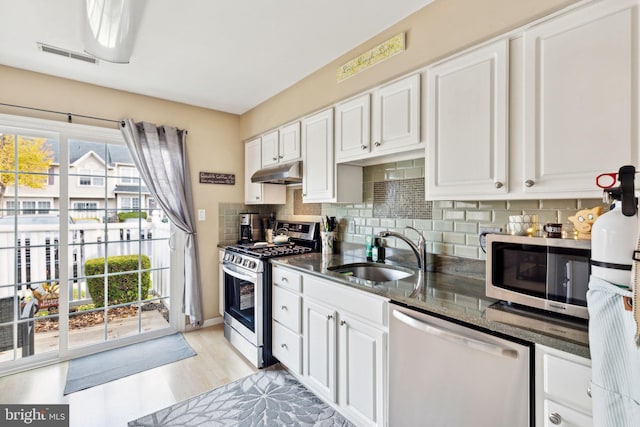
(483, 234)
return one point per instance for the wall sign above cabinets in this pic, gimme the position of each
(370, 58)
(217, 178)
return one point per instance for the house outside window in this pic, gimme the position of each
(28, 207)
(91, 178)
(129, 175)
(132, 203)
(85, 206)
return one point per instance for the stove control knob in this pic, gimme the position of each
(251, 264)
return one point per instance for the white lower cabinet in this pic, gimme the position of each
(345, 349)
(286, 343)
(563, 394)
(342, 347)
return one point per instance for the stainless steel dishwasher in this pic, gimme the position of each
(442, 374)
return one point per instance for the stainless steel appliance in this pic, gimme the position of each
(247, 288)
(250, 228)
(549, 274)
(445, 374)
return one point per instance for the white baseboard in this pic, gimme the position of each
(208, 322)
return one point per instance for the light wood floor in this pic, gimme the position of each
(115, 403)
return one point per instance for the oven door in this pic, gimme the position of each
(242, 302)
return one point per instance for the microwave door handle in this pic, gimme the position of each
(457, 338)
(568, 275)
(235, 273)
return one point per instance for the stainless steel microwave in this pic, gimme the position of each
(548, 274)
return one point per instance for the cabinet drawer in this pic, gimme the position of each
(568, 382)
(287, 279)
(367, 306)
(286, 347)
(287, 308)
(556, 414)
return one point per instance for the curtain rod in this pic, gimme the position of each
(69, 115)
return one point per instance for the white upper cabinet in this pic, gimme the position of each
(541, 118)
(580, 99)
(281, 145)
(257, 193)
(353, 128)
(383, 122)
(322, 179)
(467, 112)
(289, 143)
(318, 164)
(396, 112)
(270, 156)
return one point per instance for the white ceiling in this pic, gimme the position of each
(228, 55)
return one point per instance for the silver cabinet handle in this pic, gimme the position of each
(589, 391)
(377, 144)
(455, 337)
(284, 346)
(281, 157)
(364, 147)
(529, 183)
(284, 307)
(284, 279)
(555, 418)
(329, 316)
(274, 158)
(499, 184)
(257, 197)
(343, 322)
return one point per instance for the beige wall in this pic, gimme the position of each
(213, 143)
(432, 33)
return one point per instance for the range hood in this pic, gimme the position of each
(286, 173)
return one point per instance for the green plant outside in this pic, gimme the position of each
(123, 288)
(125, 215)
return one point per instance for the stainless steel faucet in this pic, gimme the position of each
(420, 250)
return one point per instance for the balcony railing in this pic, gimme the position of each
(37, 259)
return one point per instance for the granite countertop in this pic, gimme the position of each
(455, 297)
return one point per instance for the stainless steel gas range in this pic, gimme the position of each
(247, 287)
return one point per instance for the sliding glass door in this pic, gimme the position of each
(84, 253)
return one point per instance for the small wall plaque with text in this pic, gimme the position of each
(217, 178)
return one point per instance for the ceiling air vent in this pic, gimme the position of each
(67, 53)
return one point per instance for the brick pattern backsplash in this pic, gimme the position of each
(452, 230)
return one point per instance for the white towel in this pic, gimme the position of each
(615, 358)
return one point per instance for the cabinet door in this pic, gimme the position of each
(252, 162)
(270, 155)
(353, 128)
(467, 142)
(318, 172)
(319, 367)
(556, 414)
(286, 347)
(397, 115)
(362, 370)
(289, 144)
(581, 98)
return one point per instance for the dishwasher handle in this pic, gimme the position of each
(455, 337)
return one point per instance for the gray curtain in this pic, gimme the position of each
(161, 157)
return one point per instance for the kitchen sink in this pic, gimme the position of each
(372, 271)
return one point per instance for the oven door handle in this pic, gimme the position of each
(229, 269)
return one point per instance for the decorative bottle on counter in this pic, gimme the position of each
(377, 252)
(369, 242)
